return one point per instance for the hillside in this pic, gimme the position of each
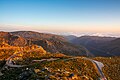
(33, 36)
(99, 46)
(64, 67)
(70, 37)
(111, 67)
(50, 42)
(40, 64)
(113, 47)
(14, 40)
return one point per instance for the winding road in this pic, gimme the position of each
(97, 64)
(10, 63)
(99, 67)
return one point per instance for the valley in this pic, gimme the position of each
(59, 39)
(49, 58)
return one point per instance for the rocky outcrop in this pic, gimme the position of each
(55, 46)
(14, 40)
(17, 41)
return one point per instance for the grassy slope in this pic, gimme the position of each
(80, 67)
(111, 68)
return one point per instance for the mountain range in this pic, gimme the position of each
(50, 42)
(69, 45)
(99, 46)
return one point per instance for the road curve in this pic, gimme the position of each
(99, 66)
(10, 64)
(9, 60)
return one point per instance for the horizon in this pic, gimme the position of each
(60, 16)
(80, 34)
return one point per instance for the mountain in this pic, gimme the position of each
(91, 40)
(31, 35)
(99, 46)
(14, 40)
(51, 43)
(69, 45)
(70, 37)
(113, 47)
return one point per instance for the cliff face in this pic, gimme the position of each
(17, 41)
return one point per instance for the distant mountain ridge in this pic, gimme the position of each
(69, 37)
(70, 45)
(37, 36)
(50, 42)
(99, 46)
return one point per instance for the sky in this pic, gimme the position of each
(95, 16)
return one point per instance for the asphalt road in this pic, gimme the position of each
(98, 65)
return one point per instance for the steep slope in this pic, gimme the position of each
(92, 40)
(55, 46)
(31, 35)
(96, 45)
(51, 43)
(6, 37)
(113, 47)
(111, 67)
(70, 37)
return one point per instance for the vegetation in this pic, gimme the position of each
(55, 70)
(63, 67)
(50, 42)
(111, 67)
